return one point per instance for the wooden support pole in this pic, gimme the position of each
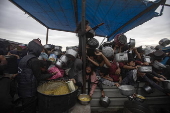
(47, 36)
(83, 39)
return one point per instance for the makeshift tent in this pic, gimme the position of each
(118, 16)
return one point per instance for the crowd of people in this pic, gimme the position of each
(24, 67)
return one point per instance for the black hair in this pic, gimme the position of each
(91, 66)
(104, 70)
(79, 26)
(45, 64)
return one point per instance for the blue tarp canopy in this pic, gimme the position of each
(118, 16)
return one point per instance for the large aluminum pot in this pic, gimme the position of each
(93, 43)
(132, 43)
(104, 101)
(120, 39)
(59, 63)
(164, 42)
(158, 65)
(107, 51)
(126, 90)
(158, 54)
(64, 58)
(90, 34)
(121, 57)
(145, 69)
(52, 103)
(166, 84)
(71, 53)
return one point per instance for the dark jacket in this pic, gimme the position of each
(29, 76)
(27, 83)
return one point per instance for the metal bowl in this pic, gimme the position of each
(127, 90)
(140, 98)
(84, 99)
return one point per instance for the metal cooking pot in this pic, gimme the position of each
(71, 53)
(147, 59)
(59, 63)
(164, 42)
(158, 54)
(158, 65)
(120, 39)
(148, 50)
(132, 43)
(121, 57)
(47, 46)
(93, 43)
(110, 44)
(62, 103)
(90, 34)
(57, 52)
(57, 48)
(127, 90)
(107, 51)
(166, 84)
(64, 58)
(72, 47)
(148, 89)
(145, 69)
(104, 101)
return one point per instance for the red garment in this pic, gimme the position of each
(112, 70)
(137, 62)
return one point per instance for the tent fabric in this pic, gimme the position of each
(118, 16)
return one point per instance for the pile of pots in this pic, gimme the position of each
(62, 61)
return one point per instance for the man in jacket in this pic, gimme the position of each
(30, 75)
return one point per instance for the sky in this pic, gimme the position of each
(17, 26)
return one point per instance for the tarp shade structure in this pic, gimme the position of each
(119, 16)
